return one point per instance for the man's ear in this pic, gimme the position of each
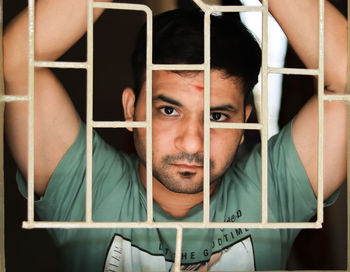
(128, 100)
(248, 111)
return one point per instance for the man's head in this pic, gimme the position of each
(178, 38)
(178, 99)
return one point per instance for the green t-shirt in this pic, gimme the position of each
(118, 195)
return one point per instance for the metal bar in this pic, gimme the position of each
(211, 8)
(206, 119)
(91, 123)
(348, 178)
(169, 225)
(172, 67)
(265, 112)
(293, 71)
(148, 125)
(201, 5)
(251, 126)
(61, 64)
(2, 188)
(234, 8)
(119, 124)
(89, 112)
(348, 85)
(337, 97)
(122, 6)
(348, 153)
(14, 98)
(30, 178)
(149, 147)
(2, 182)
(178, 250)
(320, 166)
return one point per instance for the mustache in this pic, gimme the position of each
(183, 156)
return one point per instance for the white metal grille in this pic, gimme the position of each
(91, 124)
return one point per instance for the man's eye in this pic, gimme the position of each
(169, 111)
(217, 117)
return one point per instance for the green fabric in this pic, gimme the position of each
(118, 195)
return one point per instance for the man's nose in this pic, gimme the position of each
(190, 137)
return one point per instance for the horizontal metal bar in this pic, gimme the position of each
(272, 70)
(337, 97)
(256, 126)
(124, 6)
(293, 71)
(301, 270)
(118, 124)
(216, 8)
(191, 225)
(61, 64)
(186, 67)
(14, 98)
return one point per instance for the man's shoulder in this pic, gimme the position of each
(247, 166)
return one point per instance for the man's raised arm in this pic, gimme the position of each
(58, 25)
(299, 20)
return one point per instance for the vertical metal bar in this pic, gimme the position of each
(206, 173)
(89, 112)
(348, 183)
(149, 176)
(348, 17)
(265, 112)
(348, 155)
(348, 178)
(178, 250)
(320, 112)
(31, 8)
(2, 184)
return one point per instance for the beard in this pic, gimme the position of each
(184, 182)
(177, 181)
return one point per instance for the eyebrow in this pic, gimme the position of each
(167, 99)
(225, 107)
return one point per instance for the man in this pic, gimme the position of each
(119, 180)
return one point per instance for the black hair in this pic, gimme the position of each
(178, 38)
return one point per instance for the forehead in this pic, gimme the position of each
(174, 82)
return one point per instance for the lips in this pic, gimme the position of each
(187, 166)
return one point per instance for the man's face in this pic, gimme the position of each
(178, 127)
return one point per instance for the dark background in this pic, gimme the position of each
(32, 250)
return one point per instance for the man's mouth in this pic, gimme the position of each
(187, 170)
(187, 167)
(187, 174)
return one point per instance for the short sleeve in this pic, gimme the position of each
(64, 199)
(291, 188)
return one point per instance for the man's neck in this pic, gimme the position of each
(176, 204)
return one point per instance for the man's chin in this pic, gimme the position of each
(182, 182)
(187, 191)
(183, 186)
